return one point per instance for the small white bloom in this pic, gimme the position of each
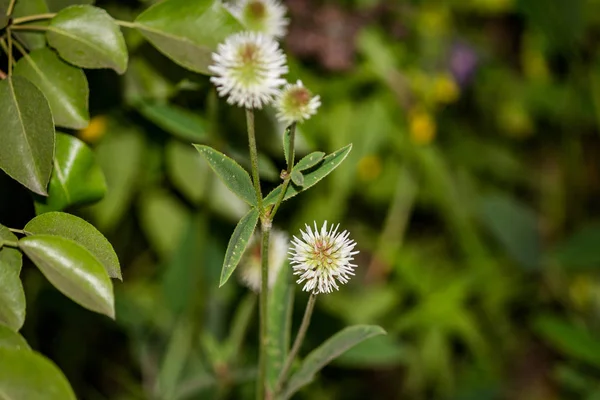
(250, 268)
(265, 16)
(247, 68)
(322, 257)
(295, 103)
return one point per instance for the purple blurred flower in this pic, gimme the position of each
(463, 62)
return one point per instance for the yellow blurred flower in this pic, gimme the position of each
(534, 63)
(95, 129)
(369, 168)
(445, 89)
(434, 21)
(515, 120)
(580, 290)
(422, 127)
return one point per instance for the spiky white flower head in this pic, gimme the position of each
(247, 69)
(264, 16)
(250, 268)
(323, 257)
(295, 103)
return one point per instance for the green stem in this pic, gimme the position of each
(20, 48)
(29, 28)
(254, 158)
(10, 8)
(9, 243)
(264, 296)
(9, 52)
(21, 231)
(126, 24)
(297, 342)
(35, 17)
(290, 165)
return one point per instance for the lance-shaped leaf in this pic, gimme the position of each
(312, 176)
(237, 244)
(175, 120)
(12, 297)
(88, 37)
(76, 178)
(27, 134)
(329, 350)
(231, 173)
(309, 161)
(25, 374)
(64, 86)
(33, 40)
(11, 339)
(79, 230)
(73, 270)
(187, 31)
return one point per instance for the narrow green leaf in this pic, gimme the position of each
(88, 37)
(581, 251)
(79, 230)
(76, 178)
(178, 121)
(64, 86)
(309, 161)
(25, 374)
(231, 173)
(73, 270)
(188, 172)
(320, 171)
(279, 324)
(297, 178)
(329, 350)
(12, 296)
(174, 360)
(10, 339)
(27, 135)
(33, 40)
(237, 244)
(239, 327)
(377, 352)
(187, 31)
(286, 144)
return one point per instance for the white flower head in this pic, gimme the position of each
(323, 257)
(250, 268)
(264, 16)
(295, 103)
(247, 68)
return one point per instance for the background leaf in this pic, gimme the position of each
(73, 270)
(187, 31)
(80, 231)
(76, 178)
(12, 297)
(88, 37)
(64, 86)
(188, 172)
(237, 244)
(581, 250)
(57, 5)
(33, 40)
(28, 134)
(176, 120)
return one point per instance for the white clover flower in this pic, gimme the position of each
(295, 103)
(321, 258)
(250, 268)
(264, 16)
(247, 68)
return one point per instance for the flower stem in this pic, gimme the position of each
(254, 158)
(35, 17)
(286, 181)
(297, 342)
(264, 296)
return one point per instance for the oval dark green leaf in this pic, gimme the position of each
(64, 86)
(73, 270)
(79, 230)
(88, 37)
(10, 339)
(12, 296)
(27, 134)
(237, 244)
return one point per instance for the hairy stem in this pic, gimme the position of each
(297, 342)
(254, 158)
(290, 165)
(264, 297)
(35, 17)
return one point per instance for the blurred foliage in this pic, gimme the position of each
(471, 190)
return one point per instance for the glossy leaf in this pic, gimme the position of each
(33, 40)
(297, 178)
(27, 135)
(237, 244)
(88, 37)
(175, 120)
(319, 171)
(10, 339)
(25, 374)
(187, 31)
(12, 296)
(231, 173)
(76, 178)
(73, 270)
(309, 161)
(64, 86)
(329, 350)
(79, 230)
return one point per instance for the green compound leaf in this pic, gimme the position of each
(12, 296)
(80, 231)
(177, 121)
(88, 37)
(187, 31)
(27, 134)
(10, 339)
(309, 161)
(76, 178)
(297, 178)
(64, 86)
(25, 374)
(237, 244)
(231, 173)
(320, 171)
(73, 270)
(329, 350)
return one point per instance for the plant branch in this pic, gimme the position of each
(290, 165)
(11, 7)
(29, 28)
(21, 231)
(126, 24)
(264, 296)
(9, 243)
(9, 51)
(297, 342)
(35, 17)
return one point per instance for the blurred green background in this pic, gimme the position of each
(473, 191)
